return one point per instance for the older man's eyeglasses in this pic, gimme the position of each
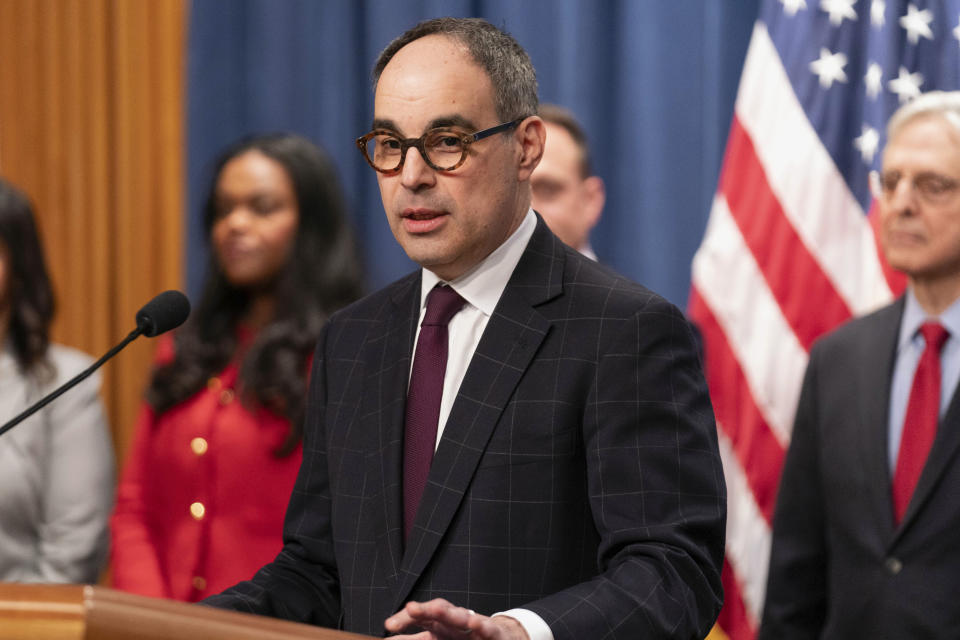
(932, 188)
(443, 148)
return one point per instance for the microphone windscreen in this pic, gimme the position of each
(166, 311)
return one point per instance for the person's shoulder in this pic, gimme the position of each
(593, 283)
(862, 328)
(67, 362)
(375, 305)
(860, 337)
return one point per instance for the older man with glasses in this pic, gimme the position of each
(513, 441)
(865, 540)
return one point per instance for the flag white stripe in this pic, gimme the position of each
(730, 282)
(819, 206)
(748, 535)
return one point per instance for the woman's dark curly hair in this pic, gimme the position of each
(322, 275)
(29, 295)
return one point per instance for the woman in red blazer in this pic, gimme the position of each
(202, 497)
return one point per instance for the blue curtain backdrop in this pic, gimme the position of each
(652, 81)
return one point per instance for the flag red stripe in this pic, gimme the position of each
(756, 448)
(733, 616)
(781, 254)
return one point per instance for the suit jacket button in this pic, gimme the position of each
(893, 566)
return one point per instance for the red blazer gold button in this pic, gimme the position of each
(197, 510)
(198, 446)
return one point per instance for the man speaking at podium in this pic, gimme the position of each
(512, 429)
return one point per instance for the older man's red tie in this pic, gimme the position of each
(920, 424)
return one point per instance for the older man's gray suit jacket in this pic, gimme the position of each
(840, 567)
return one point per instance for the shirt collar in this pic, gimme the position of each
(483, 285)
(914, 316)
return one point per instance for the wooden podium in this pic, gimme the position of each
(85, 612)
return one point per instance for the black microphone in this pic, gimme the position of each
(166, 311)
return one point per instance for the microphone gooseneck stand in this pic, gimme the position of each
(165, 311)
(77, 379)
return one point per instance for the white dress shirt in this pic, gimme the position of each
(481, 287)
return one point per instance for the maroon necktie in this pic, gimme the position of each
(920, 425)
(423, 397)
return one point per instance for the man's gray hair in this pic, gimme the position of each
(497, 52)
(945, 103)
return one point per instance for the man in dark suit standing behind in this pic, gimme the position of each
(512, 429)
(865, 536)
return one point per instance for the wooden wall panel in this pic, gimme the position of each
(91, 127)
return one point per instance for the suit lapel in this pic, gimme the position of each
(388, 352)
(509, 342)
(877, 350)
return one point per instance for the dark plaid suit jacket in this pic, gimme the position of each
(578, 474)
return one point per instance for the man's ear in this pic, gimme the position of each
(531, 134)
(595, 196)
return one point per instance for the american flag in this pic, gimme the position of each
(790, 248)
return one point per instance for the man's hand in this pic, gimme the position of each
(444, 621)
